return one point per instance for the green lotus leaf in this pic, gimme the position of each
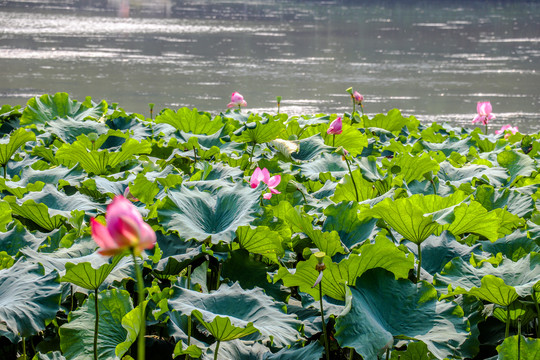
(239, 312)
(77, 336)
(380, 308)
(495, 176)
(190, 121)
(392, 122)
(54, 176)
(18, 189)
(415, 167)
(50, 207)
(350, 139)
(41, 110)
(328, 242)
(314, 350)
(52, 355)
(437, 251)
(517, 164)
(17, 237)
(29, 299)
(131, 322)
(310, 148)
(5, 215)
(6, 260)
(474, 218)
(250, 273)
(192, 350)
(513, 278)
(369, 169)
(512, 201)
(326, 163)
(345, 190)
(84, 275)
(260, 240)
(513, 246)
(449, 145)
(383, 253)
(258, 132)
(519, 347)
(196, 214)
(68, 129)
(415, 351)
(101, 161)
(144, 190)
(517, 310)
(344, 219)
(8, 147)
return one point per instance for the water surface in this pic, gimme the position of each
(431, 59)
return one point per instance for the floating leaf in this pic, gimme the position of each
(29, 299)
(190, 121)
(16, 139)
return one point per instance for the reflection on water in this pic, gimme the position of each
(430, 59)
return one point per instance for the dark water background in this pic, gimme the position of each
(431, 59)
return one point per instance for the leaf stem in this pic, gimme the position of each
(326, 344)
(537, 314)
(96, 326)
(5, 171)
(216, 351)
(351, 353)
(418, 271)
(252, 152)
(519, 338)
(507, 330)
(24, 348)
(140, 300)
(352, 178)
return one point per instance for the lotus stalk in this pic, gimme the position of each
(140, 301)
(96, 326)
(535, 298)
(278, 103)
(352, 178)
(216, 351)
(151, 106)
(419, 270)
(320, 268)
(507, 330)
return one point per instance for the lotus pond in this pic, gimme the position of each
(387, 239)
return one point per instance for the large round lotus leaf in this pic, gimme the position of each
(231, 308)
(77, 336)
(380, 308)
(464, 278)
(515, 348)
(28, 299)
(199, 215)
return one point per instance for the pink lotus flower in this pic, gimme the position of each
(336, 127)
(263, 175)
(507, 130)
(484, 112)
(125, 229)
(358, 98)
(237, 100)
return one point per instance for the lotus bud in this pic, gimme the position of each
(292, 186)
(93, 137)
(350, 90)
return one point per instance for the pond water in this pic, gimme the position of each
(431, 59)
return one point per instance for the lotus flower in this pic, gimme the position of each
(237, 100)
(506, 130)
(336, 127)
(484, 112)
(358, 98)
(263, 175)
(125, 229)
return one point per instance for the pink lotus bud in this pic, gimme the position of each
(236, 100)
(125, 229)
(358, 98)
(336, 127)
(484, 112)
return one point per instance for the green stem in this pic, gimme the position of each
(96, 326)
(5, 171)
(334, 140)
(507, 330)
(195, 158)
(537, 314)
(217, 348)
(252, 151)
(353, 106)
(71, 309)
(24, 348)
(140, 300)
(351, 353)
(304, 196)
(189, 316)
(419, 263)
(326, 344)
(433, 185)
(486, 130)
(519, 338)
(387, 354)
(352, 178)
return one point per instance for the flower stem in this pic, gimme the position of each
(217, 348)
(334, 140)
(537, 314)
(352, 178)
(507, 330)
(140, 300)
(486, 130)
(419, 263)
(252, 151)
(326, 344)
(433, 185)
(96, 326)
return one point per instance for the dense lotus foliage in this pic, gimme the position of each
(422, 240)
